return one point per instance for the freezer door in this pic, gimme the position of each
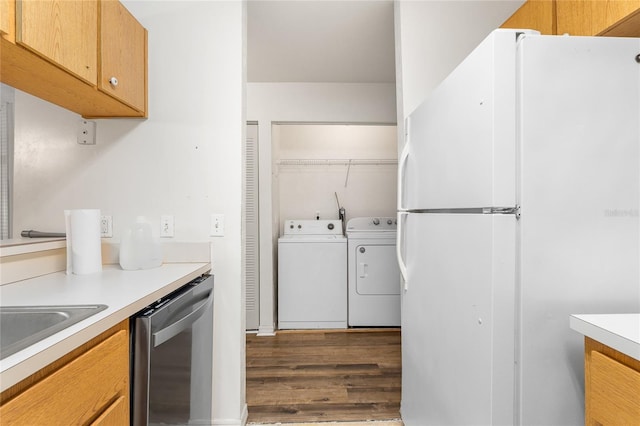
(461, 141)
(458, 320)
(580, 190)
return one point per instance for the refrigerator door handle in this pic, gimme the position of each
(471, 210)
(401, 166)
(401, 264)
(503, 210)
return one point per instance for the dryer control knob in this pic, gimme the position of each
(389, 221)
(376, 221)
(362, 250)
(330, 226)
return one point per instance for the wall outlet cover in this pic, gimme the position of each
(87, 132)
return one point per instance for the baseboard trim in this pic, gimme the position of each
(242, 421)
(266, 330)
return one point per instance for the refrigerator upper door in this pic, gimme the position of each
(580, 188)
(458, 320)
(462, 139)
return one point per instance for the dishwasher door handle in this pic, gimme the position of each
(161, 336)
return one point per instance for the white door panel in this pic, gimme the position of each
(457, 319)
(462, 144)
(377, 270)
(312, 285)
(580, 201)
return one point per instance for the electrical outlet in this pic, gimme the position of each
(166, 226)
(106, 226)
(87, 132)
(217, 225)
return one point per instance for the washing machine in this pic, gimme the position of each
(312, 275)
(374, 276)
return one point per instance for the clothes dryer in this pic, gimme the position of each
(312, 275)
(374, 276)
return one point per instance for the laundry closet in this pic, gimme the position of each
(323, 176)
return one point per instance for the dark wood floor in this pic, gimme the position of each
(313, 376)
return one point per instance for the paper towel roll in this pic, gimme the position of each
(84, 254)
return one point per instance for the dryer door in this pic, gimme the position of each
(377, 271)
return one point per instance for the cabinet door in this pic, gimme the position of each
(123, 47)
(613, 392)
(77, 392)
(61, 31)
(598, 17)
(535, 15)
(7, 17)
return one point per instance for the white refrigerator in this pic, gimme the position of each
(518, 206)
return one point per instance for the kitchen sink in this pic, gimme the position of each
(22, 326)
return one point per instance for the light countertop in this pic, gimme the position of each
(124, 292)
(29, 245)
(618, 331)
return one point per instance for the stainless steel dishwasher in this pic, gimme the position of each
(172, 343)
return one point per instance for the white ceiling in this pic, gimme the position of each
(331, 41)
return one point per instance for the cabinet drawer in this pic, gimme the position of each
(116, 414)
(79, 391)
(615, 390)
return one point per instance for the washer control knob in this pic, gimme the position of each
(362, 250)
(376, 221)
(389, 221)
(330, 226)
(291, 226)
(299, 226)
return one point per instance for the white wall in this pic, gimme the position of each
(184, 160)
(362, 189)
(433, 37)
(269, 103)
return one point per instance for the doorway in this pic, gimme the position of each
(315, 168)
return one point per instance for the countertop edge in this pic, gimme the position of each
(598, 332)
(32, 364)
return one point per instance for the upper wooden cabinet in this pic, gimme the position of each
(537, 15)
(579, 17)
(7, 18)
(599, 17)
(123, 44)
(64, 32)
(72, 53)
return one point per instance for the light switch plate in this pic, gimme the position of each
(166, 226)
(217, 225)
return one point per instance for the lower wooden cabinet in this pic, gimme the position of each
(88, 386)
(612, 386)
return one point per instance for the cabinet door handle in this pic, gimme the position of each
(113, 81)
